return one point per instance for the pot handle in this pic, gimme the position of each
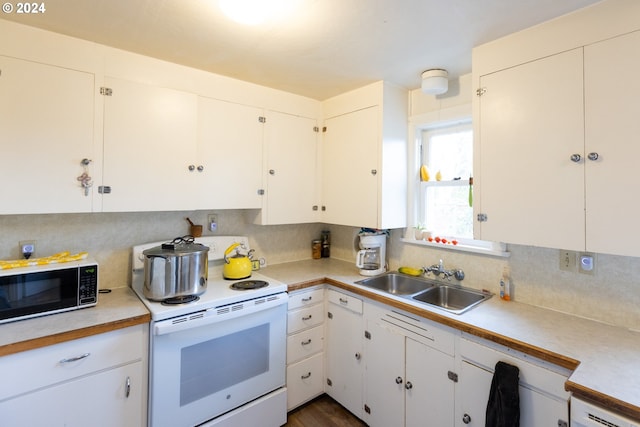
(228, 251)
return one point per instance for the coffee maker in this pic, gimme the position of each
(371, 259)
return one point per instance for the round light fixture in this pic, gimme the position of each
(254, 12)
(435, 81)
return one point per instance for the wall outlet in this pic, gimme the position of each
(27, 248)
(212, 222)
(587, 263)
(568, 260)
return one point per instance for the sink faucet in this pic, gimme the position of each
(438, 269)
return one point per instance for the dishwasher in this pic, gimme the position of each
(585, 414)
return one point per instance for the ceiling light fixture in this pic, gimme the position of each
(435, 81)
(255, 12)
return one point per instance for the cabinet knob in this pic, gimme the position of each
(408, 385)
(466, 419)
(272, 172)
(200, 168)
(399, 380)
(192, 168)
(374, 171)
(575, 158)
(358, 356)
(593, 156)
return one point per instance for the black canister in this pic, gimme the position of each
(326, 244)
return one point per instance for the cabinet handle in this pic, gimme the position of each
(304, 377)
(575, 158)
(399, 380)
(127, 387)
(358, 356)
(75, 359)
(200, 168)
(343, 301)
(307, 317)
(307, 342)
(192, 168)
(408, 385)
(466, 419)
(593, 156)
(307, 299)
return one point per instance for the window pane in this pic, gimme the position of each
(447, 211)
(450, 151)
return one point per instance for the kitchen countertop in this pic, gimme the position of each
(118, 309)
(605, 359)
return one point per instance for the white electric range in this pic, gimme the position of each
(220, 360)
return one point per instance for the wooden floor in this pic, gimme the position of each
(322, 412)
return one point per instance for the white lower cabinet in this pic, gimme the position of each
(344, 367)
(543, 400)
(98, 380)
(305, 343)
(409, 370)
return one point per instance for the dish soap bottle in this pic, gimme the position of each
(505, 285)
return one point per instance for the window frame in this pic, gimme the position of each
(417, 124)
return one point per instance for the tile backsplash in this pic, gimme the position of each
(611, 295)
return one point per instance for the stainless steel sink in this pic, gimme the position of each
(454, 299)
(397, 284)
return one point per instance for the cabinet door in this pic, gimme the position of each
(292, 170)
(149, 144)
(110, 398)
(531, 123)
(474, 386)
(430, 392)
(351, 150)
(612, 129)
(230, 151)
(46, 128)
(344, 358)
(384, 376)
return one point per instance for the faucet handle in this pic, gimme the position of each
(458, 274)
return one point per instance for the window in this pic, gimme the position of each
(444, 204)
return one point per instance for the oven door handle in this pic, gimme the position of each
(219, 314)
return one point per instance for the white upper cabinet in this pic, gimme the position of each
(149, 147)
(364, 156)
(230, 154)
(46, 130)
(612, 127)
(531, 124)
(291, 170)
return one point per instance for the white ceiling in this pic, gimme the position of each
(326, 48)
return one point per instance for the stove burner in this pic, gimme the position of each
(185, 299)
(249, 284)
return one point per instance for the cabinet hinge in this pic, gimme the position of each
(324, 129)
(261, 192)
(262, 119)
(316, 129)
(367, 409)
(452, 376)
(106, 91)
(563, 423)
(482, 217)
(367, 335)
(104, 189)
(481, 91)
(329, 315)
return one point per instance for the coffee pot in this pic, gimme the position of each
(371, 259)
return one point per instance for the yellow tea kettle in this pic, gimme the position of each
(237, 266)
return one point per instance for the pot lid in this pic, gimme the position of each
(177, 247)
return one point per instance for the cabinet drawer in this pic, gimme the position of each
(305, 318)
(44, 366)
(536, 374)
(305, 343)
(304, 381)
(305, 298)
(347, 301)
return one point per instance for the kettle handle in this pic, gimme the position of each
(228, 251)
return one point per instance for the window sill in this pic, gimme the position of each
(479, 247)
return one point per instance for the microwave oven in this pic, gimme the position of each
(39, 290)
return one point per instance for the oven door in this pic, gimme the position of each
(229, 357)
